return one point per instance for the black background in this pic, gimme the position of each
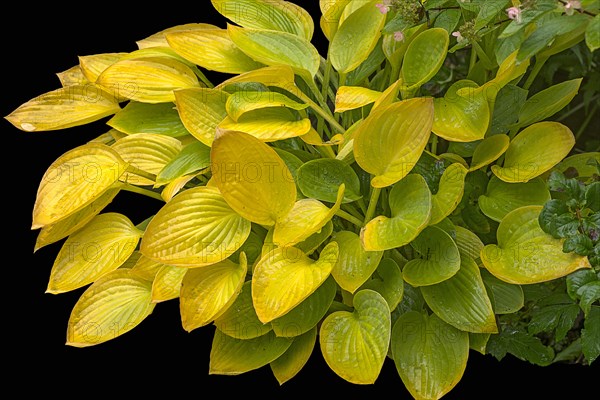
(39, 41)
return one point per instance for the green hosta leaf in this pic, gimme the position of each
(256, 183)
(240, 320)
(388, 282)
(410, 204)
(196, 228)
(159, 118)
(468, 243)
(192, 158)
(295, 358)
(241, 102)
(488, 151)
(461, 119)
(225, 353)
(430, 355)
(506, 297)
(284, 277)
(268, 14)
(545, 34)
(355, 344)
(281, 76)
(320, 179)
(355, 265)
(97, 249)
(277, 48)
(148, 79)
(449, 194)
(308, 216)
(522, 161)
(441, 258)
(478, 342)
(556, 317)
(167, 283)
(508, 104)
(148, 152)
(211, 49)
(592, 34)
(589, 294)
(207, 292)
(548, 102)
(462, 300)
(353, 97)
(389, 142)
(59, 230)
(521, 345)
(112, 306)
(590, 335)
(424, 57)
(525, 253)
(201, 111)
(64, 108)
(74, 180)
(268, 124)
(502, 198)
(356, 37)
(331, 13)
(306, 315)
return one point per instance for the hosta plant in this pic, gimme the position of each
(413, 194)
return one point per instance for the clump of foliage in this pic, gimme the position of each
(411, 194)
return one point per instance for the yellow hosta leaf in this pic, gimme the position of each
(146, 268)
(72, 76)
(306, 217)
(449, 194)
(268, 124)
(271, 47)
(284, 277)
(211, 49)
(196, 228)
(525, 254)
(279, 75)
(92, 66)
(522, 161)
(167, 283)
(148, 79)
(314, 139)
(389, 95)
(277, 15)
(355, 345)
(159, 40)
(488, 151)
(243, 101)
(148, 152)
(161, 118)
(331, 13)
(255, 182)
(74, 180)
(295, 357)
(352, 97)
(355, 265)
(100, 247)
(390, 141)
(112, 306)
(207, 292)
(64, 108)
(59, 230)
(175, 186)
(201, 111)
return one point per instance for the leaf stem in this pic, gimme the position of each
(586, 121)
(135, 189)
(316, 108)
(372, 204)
(349, 217)
(136, 171)
(539, 63)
